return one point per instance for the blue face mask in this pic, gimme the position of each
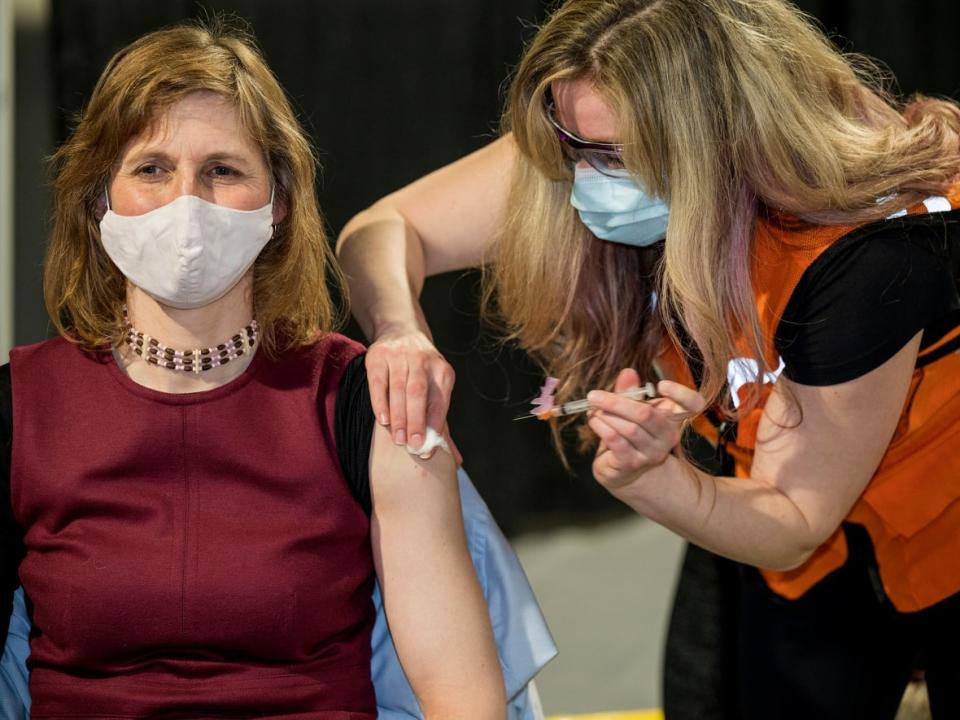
(617, 209)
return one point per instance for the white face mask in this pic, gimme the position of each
(189, 252)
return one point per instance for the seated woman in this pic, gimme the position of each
(195, 497)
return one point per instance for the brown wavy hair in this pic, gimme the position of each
(724, 106)
(84, 291)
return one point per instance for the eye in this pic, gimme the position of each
(223, 171)
(149, 170)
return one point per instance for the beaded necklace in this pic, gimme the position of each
(196, 360)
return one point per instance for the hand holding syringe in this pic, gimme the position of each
(544, 409)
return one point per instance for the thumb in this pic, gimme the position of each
(628, 378)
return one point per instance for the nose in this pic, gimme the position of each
(191, 183)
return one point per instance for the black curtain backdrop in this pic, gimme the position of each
(391, 90)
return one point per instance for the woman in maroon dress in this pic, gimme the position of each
(199, 500)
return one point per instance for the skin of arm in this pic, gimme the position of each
(807, 471)
(443, 221)
(434, 605)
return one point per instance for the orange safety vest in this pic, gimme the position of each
(911, 506)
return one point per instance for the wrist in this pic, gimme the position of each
(642, 491)
(394, 324)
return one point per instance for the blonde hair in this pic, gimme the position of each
(83, 289)
(724, 106)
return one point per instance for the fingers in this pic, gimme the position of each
(377, 383)
(626, 452)
(678, 400)
(613, 441)
(636, 436)
(410, 386)
(633, 410)
(687, 398)
(416, 405)
(619, 462)
(398, 404)
(653, 431)
(440, 387)
(648, 436)
(442, 378)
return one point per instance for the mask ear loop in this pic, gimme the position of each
(273, 226)
(106, 195)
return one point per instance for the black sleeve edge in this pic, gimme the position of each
(825, 375)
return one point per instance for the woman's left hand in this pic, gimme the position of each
(637, 436)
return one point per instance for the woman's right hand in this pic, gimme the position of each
(410, 385)
(637, 436)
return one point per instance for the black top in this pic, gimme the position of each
(353, 430)
(353, 424)
(11, 536)
(861, 301)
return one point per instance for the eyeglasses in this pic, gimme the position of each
(605, 158)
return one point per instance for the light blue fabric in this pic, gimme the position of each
(523, 640)
(14, 695)
(617, 208)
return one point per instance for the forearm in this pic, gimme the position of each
(383, 260)
(817, 448)
(745, 519)
(444, 221)
(465, 680)
(431, 594)
(451, 659)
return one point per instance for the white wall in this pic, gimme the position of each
(6, 178)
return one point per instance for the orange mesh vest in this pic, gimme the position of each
(911, 506)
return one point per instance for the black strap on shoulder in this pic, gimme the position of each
(353, 429)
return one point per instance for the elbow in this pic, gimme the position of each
(481, 695)
(791, 559)
(381, 211)
(355, 224)
(492, 706)
(798, 550)
(804, 530)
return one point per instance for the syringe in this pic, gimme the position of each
(646, 392)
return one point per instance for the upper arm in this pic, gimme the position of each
(455, 212)
(849, 340)
(821, 445)
(432, 598)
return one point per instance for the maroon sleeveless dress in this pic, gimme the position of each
(195, 555)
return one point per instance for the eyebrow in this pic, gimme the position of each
(148, 154)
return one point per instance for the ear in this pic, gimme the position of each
(279, 205)
(99, 206)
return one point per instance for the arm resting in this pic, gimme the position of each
(433, 602)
